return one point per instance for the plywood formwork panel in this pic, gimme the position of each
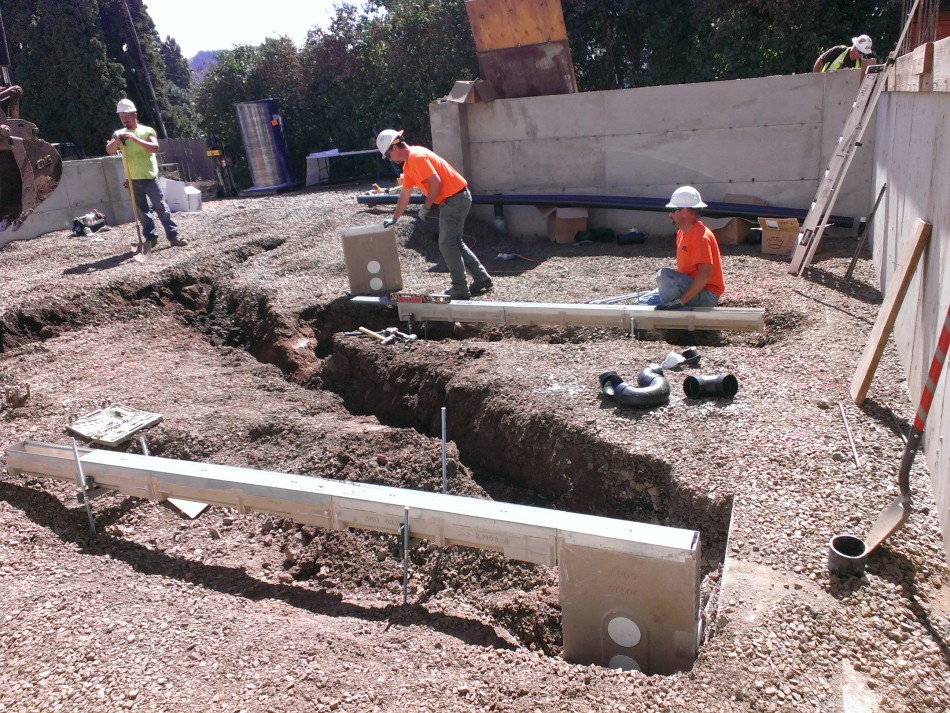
(648, 573)
(564, 116)
(941, 66)
(497, 24)
(529, 71)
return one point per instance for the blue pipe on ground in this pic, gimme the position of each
(652, 387)
(564, 200)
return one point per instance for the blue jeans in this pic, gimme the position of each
(146, 190)
(457, 255)
(670, 285)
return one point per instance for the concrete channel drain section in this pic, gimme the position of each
(629, 592)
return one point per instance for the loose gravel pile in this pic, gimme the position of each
(237, 340)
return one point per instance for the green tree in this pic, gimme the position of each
(180, 87)
(70, 87)
(123, 45)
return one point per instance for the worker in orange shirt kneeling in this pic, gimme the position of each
(697, 280)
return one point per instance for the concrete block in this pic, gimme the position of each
(192, 199)
(174, 192)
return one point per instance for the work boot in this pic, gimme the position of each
(153, 239)
(177, 242)
(479, 287)
(458, 293)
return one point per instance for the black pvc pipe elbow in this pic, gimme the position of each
(652, 387)
(696, 387)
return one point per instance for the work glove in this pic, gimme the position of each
(423, 213)
(672, 304)
(388, 222)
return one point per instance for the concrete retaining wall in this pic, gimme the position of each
(912, 156)
(770, 137)
(87, 184)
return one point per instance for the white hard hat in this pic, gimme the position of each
(386, 138)
(686, 197)
(862, 43)
(125, 106)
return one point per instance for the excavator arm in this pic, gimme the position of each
(30, 168)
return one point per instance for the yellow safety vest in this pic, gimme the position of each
(839, 62)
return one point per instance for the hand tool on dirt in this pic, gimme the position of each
(406, 337)
(617, 298)
(893, 517)
(143, 247)
(383, 338)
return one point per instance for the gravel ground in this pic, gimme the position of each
(237, 340)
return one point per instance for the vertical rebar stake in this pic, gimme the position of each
(83, 490)
(445, 474)
(143, 445)
(405, 556)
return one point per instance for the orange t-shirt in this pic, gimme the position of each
(698, 246)
(422, 164)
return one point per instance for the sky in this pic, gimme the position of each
(209, 25)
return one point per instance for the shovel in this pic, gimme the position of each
(893, 517)
(143, 247)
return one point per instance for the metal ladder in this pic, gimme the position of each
(861, 111)
(828, 189)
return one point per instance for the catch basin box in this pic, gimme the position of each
(372, 262)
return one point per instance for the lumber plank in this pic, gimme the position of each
(890, 308)
(500, 24)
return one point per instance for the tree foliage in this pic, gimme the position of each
(380, 64)
(70, 88)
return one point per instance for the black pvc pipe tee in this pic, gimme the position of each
(696, 387)
(652, 387)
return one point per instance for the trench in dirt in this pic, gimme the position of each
(533, 459)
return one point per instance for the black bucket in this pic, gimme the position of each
(847, 555)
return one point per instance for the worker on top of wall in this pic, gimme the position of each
(139, 145)
(445, 187)
(697, 280)
(844, 56)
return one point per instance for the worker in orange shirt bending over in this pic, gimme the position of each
(445, 187)
(697, 280)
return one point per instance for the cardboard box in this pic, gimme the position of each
(779, 235)
(565, 223)
(471, 92)
(728, 231)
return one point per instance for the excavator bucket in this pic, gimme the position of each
(30, 170)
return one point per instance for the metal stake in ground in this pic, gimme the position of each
(405, 556)
(84, 489)
(893, 517)
(445, 476)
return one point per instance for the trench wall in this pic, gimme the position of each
(912, 155)
(769, 137)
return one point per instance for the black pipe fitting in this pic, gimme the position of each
(652, 387)
(696, 387)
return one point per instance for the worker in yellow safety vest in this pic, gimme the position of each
(843, 56)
